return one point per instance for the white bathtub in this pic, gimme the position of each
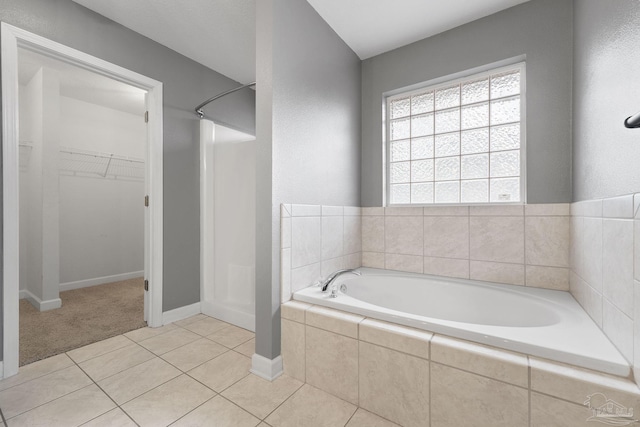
(539, 322)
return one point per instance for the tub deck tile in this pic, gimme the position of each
(480, 359)
(336, 321)
(401, 338)
(576, 384)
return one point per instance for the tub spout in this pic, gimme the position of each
(334, 276)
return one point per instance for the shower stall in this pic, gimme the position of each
(227, 222)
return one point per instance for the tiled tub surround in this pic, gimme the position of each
(539, 322)
(605, 278)
(316, 241)
(515, 244)
(415, 378)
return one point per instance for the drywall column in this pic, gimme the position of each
(308, 138)
(42, 223)
(267, 277)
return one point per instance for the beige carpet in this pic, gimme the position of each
(87, 315)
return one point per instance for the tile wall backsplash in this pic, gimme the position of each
(316, 241)
(602, 268)
(518, 245)
(585, 247)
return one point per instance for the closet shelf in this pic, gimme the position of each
(101, 164)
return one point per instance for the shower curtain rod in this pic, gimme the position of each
(198, 109)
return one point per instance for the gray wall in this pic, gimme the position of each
(539, 29)
(308, 129)
(606, 91)
(186, 84)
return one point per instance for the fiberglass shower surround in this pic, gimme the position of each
(227, 221)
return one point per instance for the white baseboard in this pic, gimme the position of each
(229, 315)
(40, 305)
(99, 280)
(180, 313)
(266, 368)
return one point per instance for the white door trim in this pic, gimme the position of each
(10, 39)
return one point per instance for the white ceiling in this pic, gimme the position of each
(78, 83)
(220, 34)
(371, 27)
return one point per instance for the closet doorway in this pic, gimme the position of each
(82, 166)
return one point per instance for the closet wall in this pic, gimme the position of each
(95, 201)
(101, 217)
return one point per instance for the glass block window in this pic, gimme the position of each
(458, 142)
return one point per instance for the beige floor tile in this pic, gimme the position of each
(113, 418)
(231, 336)
(146, 333)
(217, 412)
(206, 326)
(165, 404)
(116, 361)
(311, 407)
(71, 410)
(133, 382)
(194, 354)
(37, 370)
(248, 348)
(170, 341)
(261, 397)
(99, 348)
(191, 319)
(31, 394)
(222, 371)
(364, 418)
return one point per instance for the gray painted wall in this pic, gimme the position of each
(606, 91)
(186, 84)
(309, 113)
(539, 29)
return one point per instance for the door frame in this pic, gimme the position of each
(12, 38)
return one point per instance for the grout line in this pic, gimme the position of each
(101, 354)
(529, 387)
(480, 375)
(290, 396)
(352, 415)
(106, 394)
(40, 376)
(202, 404)
(52, 400)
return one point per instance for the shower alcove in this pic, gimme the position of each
(227, 224)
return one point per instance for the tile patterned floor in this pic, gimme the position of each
(192, 373)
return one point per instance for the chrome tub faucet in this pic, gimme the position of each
(326, 283)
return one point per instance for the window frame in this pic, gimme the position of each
(446, 81)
